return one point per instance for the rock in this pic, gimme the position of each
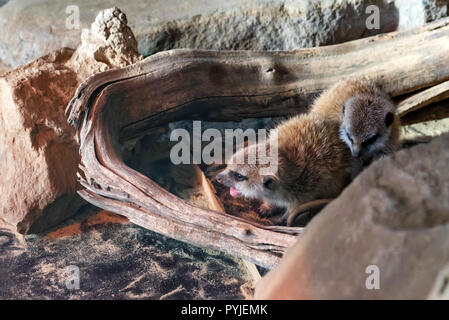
(4, 68)
(39, 156)
(426, 123)
(116, 260)
(235, 24)
(108, 43)
(282, 25)
(426, 129)
(46, 25)
(416, 13)
(392, 221)
(37, 147)
(435, 9)
(12, 243)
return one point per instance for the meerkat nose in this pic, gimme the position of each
(355, 152)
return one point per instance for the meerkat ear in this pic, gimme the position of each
(389, 118)
(270, 182)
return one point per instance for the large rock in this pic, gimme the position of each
(39, 156)
(394, 219)
(33, 28)
(279, 25)
(429, 122)
(109, 43)
(12, 243)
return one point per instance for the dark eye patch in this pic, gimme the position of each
(370, 141)
(237, 176)
(389, 119)
(349, 137)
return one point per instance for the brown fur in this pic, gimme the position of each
(313, 163)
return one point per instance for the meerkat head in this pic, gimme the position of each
(366, 124)
(247, 178)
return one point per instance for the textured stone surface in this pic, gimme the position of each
(39, 157)
(282, 25)
(415, 13)
(426, 123)
(435, 9)
(427, 129)
(116, 260)
(109, 43)
(395, 216)
(4, 68)
(33, 28)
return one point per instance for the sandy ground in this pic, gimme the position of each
(116, 260)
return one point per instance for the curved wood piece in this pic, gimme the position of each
(424, 98)
(118, 105)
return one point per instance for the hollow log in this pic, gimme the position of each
(118, 105)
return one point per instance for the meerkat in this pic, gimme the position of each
(315, 163)
(369, 124)
(312, 163)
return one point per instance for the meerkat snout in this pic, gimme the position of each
(247, 179)
(232, 179)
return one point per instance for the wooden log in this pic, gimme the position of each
(424, 98)
(117, 105)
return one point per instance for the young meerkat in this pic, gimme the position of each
(314, 150)
(369, 124)
(311, 163)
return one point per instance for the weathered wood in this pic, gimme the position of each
(209, 192)
(117, 105)
(424, 98)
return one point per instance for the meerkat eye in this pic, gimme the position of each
(349, 137)
(389, 118)
(269, 183)
(370, 141)
(238, 176)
